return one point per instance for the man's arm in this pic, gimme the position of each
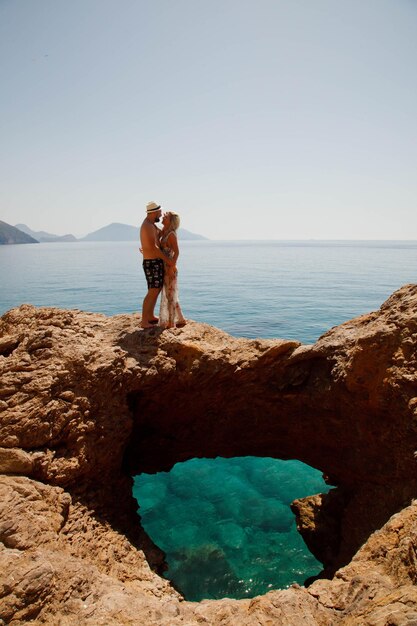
(164, 257)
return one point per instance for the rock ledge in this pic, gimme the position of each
(79, 416)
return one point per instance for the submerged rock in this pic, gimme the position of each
(86, 401)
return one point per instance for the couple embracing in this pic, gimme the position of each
(160, 253)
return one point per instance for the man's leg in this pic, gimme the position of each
(148, 306)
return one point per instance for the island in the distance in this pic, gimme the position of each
(10, 234)
(21, 233)
(125, 232)
(44, 237)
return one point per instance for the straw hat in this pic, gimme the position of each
(151, 207)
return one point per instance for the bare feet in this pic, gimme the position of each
(148, 324)
(172, 325)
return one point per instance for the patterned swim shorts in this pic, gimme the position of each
(154, 272)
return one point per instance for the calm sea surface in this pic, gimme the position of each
(225, 524)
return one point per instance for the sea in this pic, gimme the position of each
(224, 524)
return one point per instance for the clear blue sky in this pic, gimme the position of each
(266, 119)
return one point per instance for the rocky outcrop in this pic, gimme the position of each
(86, 402)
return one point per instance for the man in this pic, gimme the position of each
(153, 262)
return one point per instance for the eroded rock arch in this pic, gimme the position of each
(87, 401)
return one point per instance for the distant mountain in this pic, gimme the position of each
(10, 234)
(113, 232)
(44, 237)
(186, 235)
(124, 232)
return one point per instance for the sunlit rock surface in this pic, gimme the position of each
(86, 401)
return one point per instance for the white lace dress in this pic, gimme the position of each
(170, 311)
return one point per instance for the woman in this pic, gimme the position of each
(170, 314)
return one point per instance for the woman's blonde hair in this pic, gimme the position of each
(174, 220)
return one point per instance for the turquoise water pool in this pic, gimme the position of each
(226, 525)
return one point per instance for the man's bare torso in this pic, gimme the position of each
(149, 239)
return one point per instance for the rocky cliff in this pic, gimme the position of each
(83, 407)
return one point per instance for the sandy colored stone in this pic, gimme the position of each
(15, 461)
(86, 402)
